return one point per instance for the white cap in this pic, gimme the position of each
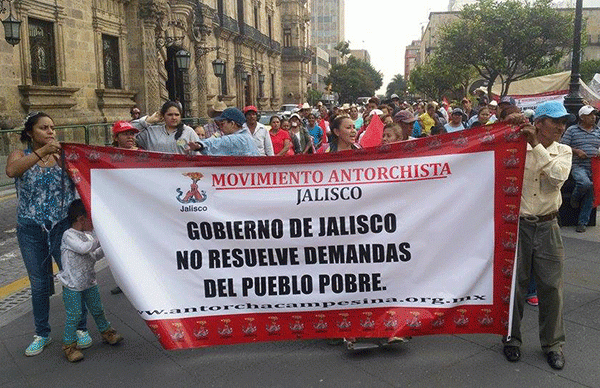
(494, 103)
(305, 106)
(586, 110)
(528, 113)
(376, 112)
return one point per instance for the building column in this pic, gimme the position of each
(150, 14)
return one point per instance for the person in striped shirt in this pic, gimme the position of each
(584, 140)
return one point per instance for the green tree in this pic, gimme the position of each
(507, 40)
(397, 86)
(355, 78)
(587, 69)
(313, 96)
(438, 78)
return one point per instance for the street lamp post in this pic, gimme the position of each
(12, 26)
(573, 101)
(219, 70)
(182, 58)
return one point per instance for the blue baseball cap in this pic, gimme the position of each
(233, 114)
(552, 109)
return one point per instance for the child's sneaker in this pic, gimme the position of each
(111, 336)
(84, 340)
(38, 344)
(72, 353)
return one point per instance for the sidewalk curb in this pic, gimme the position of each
(7, 192)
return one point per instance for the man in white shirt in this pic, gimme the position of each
(259, 132)
(540, 250)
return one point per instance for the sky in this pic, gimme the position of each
(386, 27)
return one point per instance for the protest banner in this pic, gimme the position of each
(412, 238)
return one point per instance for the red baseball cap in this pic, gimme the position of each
(250, 108)
(123, 126)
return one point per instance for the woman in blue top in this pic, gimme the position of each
(44, 194)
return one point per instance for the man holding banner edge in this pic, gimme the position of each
(540, 249)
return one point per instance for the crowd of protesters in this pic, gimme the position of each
(45, 192)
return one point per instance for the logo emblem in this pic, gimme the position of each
(193, 195)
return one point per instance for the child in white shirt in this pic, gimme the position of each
(80, 249)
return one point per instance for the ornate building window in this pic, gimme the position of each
(224, 82)
(273, 85)
(43, 52)
(287, 37)
(110, 58)
(270, 26)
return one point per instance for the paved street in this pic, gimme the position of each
(11, 265)
(433, 361)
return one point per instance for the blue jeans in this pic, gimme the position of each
(75, 302)
(583, 192)
(38, 245)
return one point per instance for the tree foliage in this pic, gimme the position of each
(343, 47)
(438, 78)
(313, 96)
(587, 69)
(507, 40)
(355, 78)
(397, 86)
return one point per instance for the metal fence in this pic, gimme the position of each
(94, 134)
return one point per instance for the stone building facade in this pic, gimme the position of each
(296, 55)
(90, 61)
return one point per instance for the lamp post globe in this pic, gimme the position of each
(182, 58)
(218, 67)
(12, 29)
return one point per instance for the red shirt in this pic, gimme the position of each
(278, 139)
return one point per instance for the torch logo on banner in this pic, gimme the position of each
(193, 195)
